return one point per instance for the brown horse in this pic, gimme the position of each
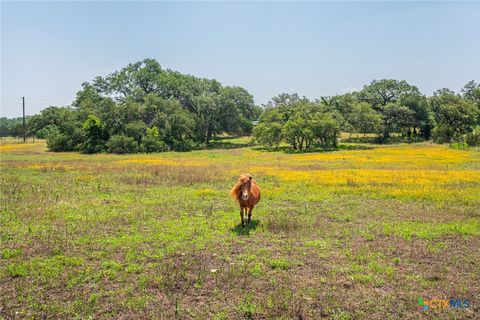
(247, 193)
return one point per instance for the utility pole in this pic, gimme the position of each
(24, 129)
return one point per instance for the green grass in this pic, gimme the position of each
(284, 264)
(10, 253)
(432, 230)
(17, 270)
(157, 236)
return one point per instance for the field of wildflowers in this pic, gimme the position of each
(361, 232)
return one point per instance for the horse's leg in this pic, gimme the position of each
(241, 216)
(249, 220)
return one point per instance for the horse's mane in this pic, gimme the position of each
(254, 189)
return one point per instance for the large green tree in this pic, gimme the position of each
(471, 92)
(381, 92)
(364, 118)
(301, 123)
(453, 113)
(396, 119)
(423, 118)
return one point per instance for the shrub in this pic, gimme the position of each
(59, 142)
(95, 135)
(136, 130)
(473, 138)
(269, 135)
(121, 144)
(443, 133)
(46, 131)
(246, 126)
(152, 142)
(181, 144)
(326, 131)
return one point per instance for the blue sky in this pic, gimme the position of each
(314, 48)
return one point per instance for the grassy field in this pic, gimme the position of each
(359, 233)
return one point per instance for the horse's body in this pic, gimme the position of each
(247, 193)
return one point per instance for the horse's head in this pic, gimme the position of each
(246, 184)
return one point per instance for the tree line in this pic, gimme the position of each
(12, 127)
(145, 108)
(389, 108)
